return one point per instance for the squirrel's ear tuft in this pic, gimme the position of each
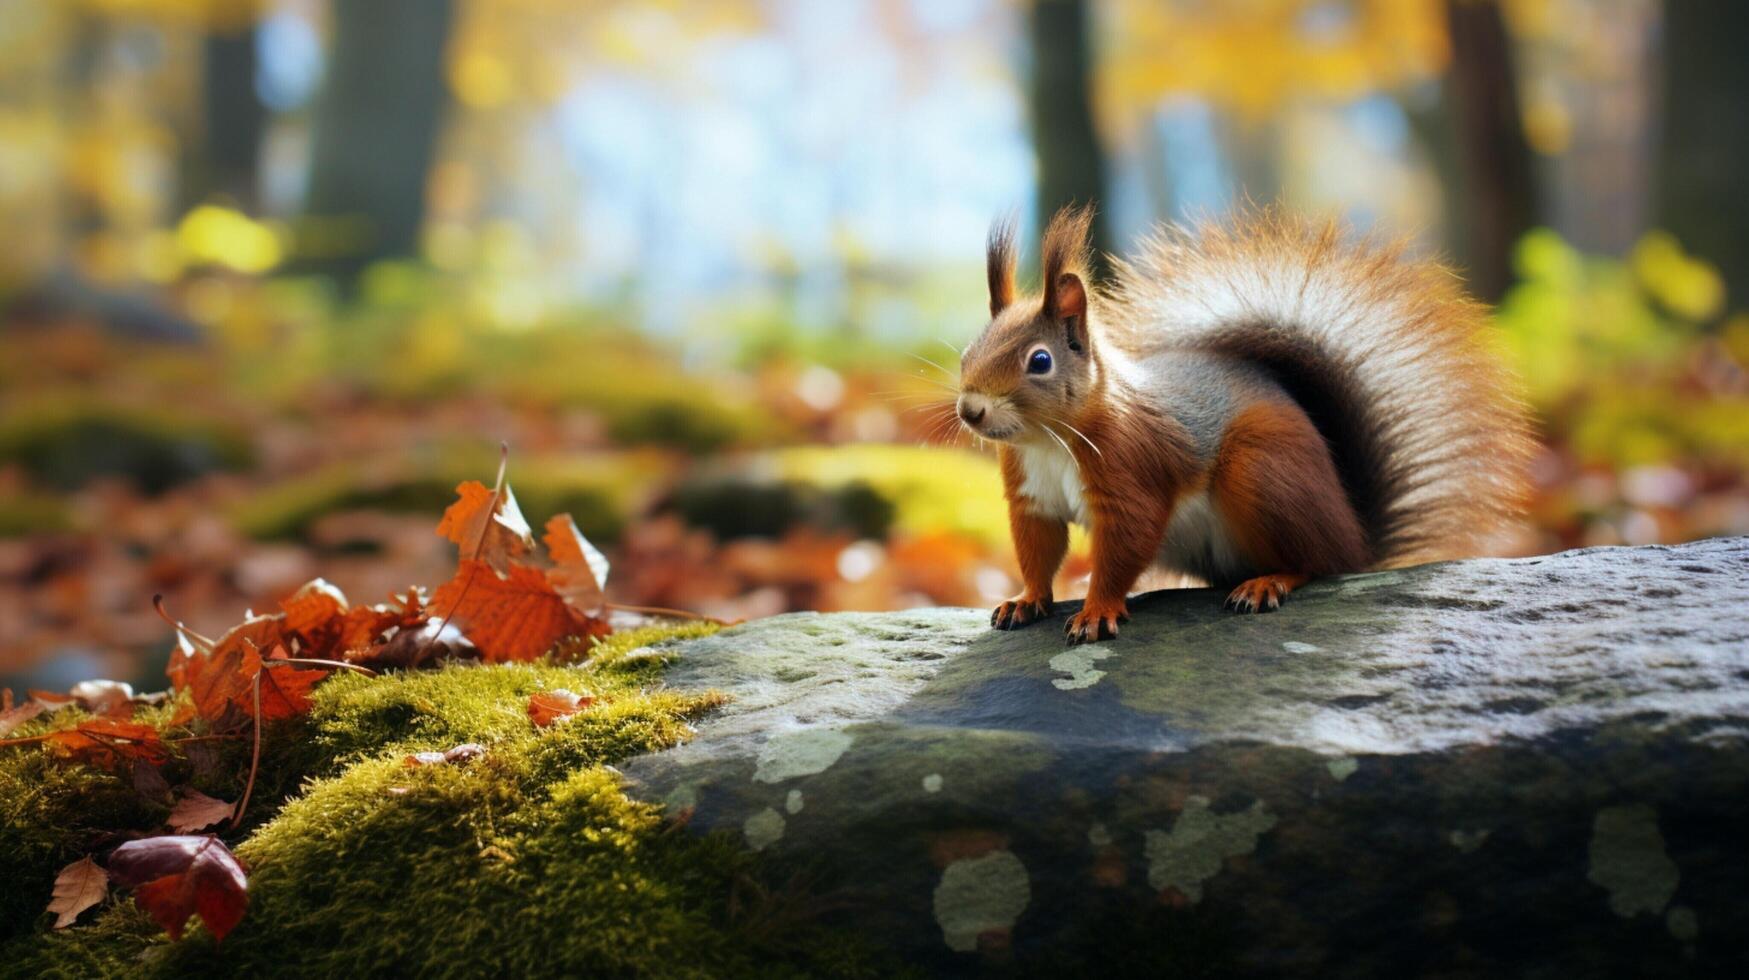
(1064, 254)
(999, 264)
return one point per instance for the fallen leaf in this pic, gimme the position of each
(104, 697)
(285, 688)
(108, 742)
(150, 784)
(177, 876)
(362, 629)
(313, 607)
(465, 752)
(515, 616)
(198, 811)
(53, 702)
(79, 886)
(547, 707)
(484, 532)
(13, 717)
(580, 572)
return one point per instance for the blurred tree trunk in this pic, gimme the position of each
(223, 158)
(1496, 191)
(1703, 157)
(1071, 163)
(375, 133)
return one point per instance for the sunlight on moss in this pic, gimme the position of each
(932, 488)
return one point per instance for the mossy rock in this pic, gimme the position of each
(65, 445)
(528, 861)
(1528, 767)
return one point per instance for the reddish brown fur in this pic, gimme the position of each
(1274, 485)
(1143, 465)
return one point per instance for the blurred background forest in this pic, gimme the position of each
(277, 274)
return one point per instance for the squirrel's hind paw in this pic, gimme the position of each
(1263, 593)
(1015, 613)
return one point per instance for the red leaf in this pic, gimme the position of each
(516, 616)
(109, 742)
(79, 886)
(176, 877)
(546, 707)
(198, 811)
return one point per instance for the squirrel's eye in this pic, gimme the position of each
(1039, 362)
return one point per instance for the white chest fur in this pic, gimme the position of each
(1053, 483)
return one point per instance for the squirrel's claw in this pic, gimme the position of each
(1263, 593)
(1095, 623)
(1015, 613)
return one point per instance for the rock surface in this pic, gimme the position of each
(1539, 765)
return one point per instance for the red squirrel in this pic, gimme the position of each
(1256, 405)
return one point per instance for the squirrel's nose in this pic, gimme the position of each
(971, 410)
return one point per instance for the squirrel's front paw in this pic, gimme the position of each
(1019, 611)
(1096, 621)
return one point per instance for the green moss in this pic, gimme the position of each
(597, 492)
(65, 443)
(528, 861)
(22, 514)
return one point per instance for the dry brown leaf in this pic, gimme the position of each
(198, 811)
(494, 535)
(465, 752)
(79, 886)
(516, 616)
(547, 707)
(580, 569)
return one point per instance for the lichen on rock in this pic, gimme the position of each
(1193, 850)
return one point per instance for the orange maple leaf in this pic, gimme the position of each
(515, 616)
(493, 534)
(546, 707)
(313, 608)
(109, 742)
(285, 689)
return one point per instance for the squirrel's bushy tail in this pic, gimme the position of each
(1392, 361)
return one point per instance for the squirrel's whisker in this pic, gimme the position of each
(931, 363)
(1047, 430)
(1078, 432)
